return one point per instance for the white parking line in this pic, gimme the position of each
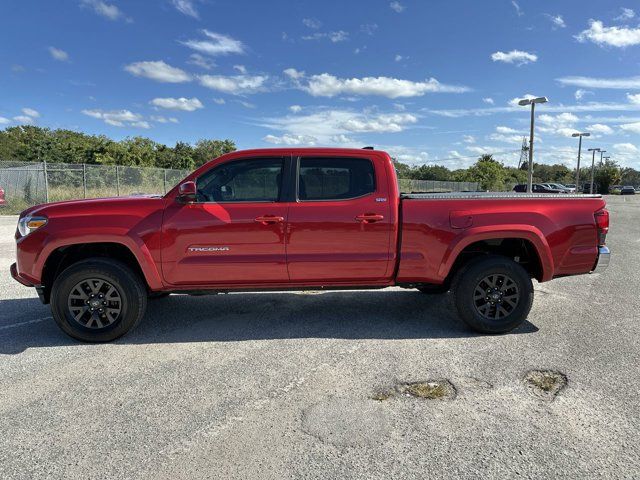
(28, 322)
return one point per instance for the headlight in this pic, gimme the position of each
(28, 224)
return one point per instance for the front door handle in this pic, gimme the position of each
(269, 219)
(369, 218)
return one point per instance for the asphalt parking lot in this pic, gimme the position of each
(282, 385)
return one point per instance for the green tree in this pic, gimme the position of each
(606, 175)
(488, 172)
(206, 150)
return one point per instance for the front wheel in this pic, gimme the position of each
(493, 294)
(98, 300)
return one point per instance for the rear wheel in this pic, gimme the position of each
(98, 300)
(493, 294)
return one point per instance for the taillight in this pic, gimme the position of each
(602, 224)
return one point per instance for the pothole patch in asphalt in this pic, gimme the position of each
(545, 384)
(345, 422)
(438, 389)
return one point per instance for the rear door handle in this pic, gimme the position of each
(269, 219)
(369, 218)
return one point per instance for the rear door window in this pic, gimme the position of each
(326, 178)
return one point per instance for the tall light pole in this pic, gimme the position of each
(585, 134)
(593, 162)
(532, 102)
(601, 153)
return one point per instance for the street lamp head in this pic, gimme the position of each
(585, 134)
(593, 149)
(529, 101)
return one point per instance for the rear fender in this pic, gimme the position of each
(525, 232)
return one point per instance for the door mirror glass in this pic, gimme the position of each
(187, 192)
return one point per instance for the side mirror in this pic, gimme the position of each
(187, 192)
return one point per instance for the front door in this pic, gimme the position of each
(234, 233)
(340, 226)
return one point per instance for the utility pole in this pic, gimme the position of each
(532, 102)
(593, 162)
(601, 153)
(585, 134)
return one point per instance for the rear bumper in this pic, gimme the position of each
(604, 256)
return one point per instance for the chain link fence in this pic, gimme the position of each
(436, 186)
(26, 183)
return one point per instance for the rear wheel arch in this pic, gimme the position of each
(522, 249)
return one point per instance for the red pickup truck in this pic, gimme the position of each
(299, 219)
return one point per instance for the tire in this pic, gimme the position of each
(434, 289)
(507, 294)
(87, 288)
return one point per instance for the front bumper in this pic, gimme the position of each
(16, 276)
(604, 257)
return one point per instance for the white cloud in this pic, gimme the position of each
(216, 44)
(599, 129)
(612, 36)
(4, 121)
(294, 74)
(161, 119)
(312, 23)
(632, 83)
(335, 37)
(580, 93)
(327, 85)
(562, 124)
(514, 56)
(398, 58)
(469, 139)
(245, 104)
(103, 9)
(634, 98)
(627, 14)
(235, 84)
(549, 107)
(117, 118)
(24, 119)
(369, 28)
(514, 101)
(519, 11)
(397, 7)
(626, 148)
(186, 7)
(506, 130)
(288, 139)
(58, 54)
(219, 101)
(506, 135)
(295, 108)
(141, 124)
(557, 21)
(240, 68)
(158, 71)
(182, 103)
(200, 61)
(488, 100)
(325, 124)
(631, 127)
(31, 112)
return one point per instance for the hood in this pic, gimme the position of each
(91, 204)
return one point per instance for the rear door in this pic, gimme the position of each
(235, 232)
(340, 224)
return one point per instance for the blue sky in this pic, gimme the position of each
(429, 81)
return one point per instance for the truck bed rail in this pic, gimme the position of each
(494, 196)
